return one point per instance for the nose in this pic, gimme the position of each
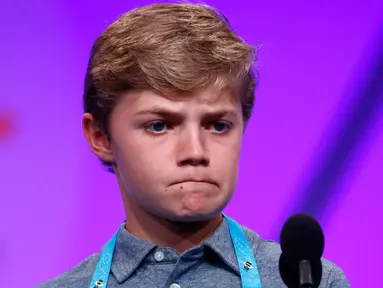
(192, 149)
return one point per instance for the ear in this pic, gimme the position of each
(97, 139)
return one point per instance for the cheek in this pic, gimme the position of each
(141, 166)
(227, 163)
(227, 154)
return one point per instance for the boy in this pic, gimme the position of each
(160, 80)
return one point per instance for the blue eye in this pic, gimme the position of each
(221, 127)
(156, 126)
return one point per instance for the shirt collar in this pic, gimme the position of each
(128, 254)
(220, 242)
(130, 250)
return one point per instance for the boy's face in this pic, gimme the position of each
(177, 158)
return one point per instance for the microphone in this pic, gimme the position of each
(302, 244)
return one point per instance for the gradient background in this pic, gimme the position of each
(314, 144)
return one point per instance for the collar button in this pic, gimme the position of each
(159, 256)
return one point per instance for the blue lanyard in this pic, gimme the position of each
(246, 262)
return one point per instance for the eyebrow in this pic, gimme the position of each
(160, 111)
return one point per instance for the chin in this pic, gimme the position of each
(195, 216)
(193, 211)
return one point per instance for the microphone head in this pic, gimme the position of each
(301, 239)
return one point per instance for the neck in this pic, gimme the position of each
(180, 236)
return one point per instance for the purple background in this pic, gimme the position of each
(314, 144)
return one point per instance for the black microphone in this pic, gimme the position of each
(302, 244)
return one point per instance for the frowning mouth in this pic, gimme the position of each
(206, 181)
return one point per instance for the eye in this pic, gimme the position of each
(221, 127)
(156, 127)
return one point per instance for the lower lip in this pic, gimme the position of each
(195, 182)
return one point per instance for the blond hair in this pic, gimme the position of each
(171, 48)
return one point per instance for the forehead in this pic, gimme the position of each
(209, 98)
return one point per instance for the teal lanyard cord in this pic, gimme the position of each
(246, 262)
(101, 274)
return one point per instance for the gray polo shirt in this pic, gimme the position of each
(141, 264)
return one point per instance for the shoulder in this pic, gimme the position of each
(267, 254)
(78, 276)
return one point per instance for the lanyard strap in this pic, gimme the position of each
(246, 262)
(101, 274)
